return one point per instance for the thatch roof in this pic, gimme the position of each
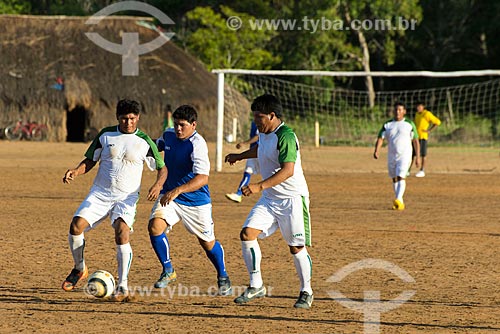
(34, 51)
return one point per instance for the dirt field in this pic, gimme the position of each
(447, 240)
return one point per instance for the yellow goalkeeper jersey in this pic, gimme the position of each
(423, 120)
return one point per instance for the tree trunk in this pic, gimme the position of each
(365, 61)
(366, 67)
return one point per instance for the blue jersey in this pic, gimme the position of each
(185, 159)
(253, 132)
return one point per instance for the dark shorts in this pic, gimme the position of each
(423, 148)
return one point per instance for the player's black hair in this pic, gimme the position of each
(399, 103)
(186, 112)
(267, 104)
(125, 106)
(420, 103)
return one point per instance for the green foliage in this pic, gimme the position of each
(469, 129)
(53, 7)
(383, 41)
(345, 126)
(359, 127)
(220, 47)
(450, 34)
(455, 35)
(14, 7)
(321, 49)
(70, 8)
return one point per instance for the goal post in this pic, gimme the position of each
(220, 121)
(339, 116)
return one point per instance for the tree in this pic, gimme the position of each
(383, 40)
(218, 46)
(315, 43)
(315, 46)
(53, 7)
(15, 7)
(456, 34)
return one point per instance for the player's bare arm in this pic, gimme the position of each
(232, 158)
(155, 189)
(432, 127)
(82, 168)
(284, 173)
(250, 141)
(378, 145)
(416, 145)
(194, 184)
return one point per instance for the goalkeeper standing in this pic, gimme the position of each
(425, 122)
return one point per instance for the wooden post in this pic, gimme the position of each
(235, 129)
(316, 133)
(450, 109)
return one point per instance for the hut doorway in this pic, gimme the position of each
(76, 123)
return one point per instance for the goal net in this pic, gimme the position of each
(470, 113)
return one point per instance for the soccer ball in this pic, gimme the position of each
(100, 284)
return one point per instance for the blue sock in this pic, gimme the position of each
(162, 249)
(216, 256)
(244, 181)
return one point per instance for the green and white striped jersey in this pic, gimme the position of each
(277, 147)
(399, 135)
(121, 159)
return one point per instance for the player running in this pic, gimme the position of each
(121, 151)
(251, 167)
(400, 133)
(284, 203)
(185, 196)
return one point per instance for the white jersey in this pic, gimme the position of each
(121, 159)
(277, 147)
(399, 135)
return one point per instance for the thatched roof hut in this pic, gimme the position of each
(36, 51)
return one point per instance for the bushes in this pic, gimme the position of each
(360, 127)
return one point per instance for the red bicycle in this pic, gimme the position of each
(29, 130)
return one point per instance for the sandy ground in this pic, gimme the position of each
(447, 241)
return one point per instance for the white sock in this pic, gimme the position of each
(400, 190)
(77, 245)
(395, 188)
(303, 265)
(252, 256)
(124, 258)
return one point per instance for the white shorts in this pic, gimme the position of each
(197, 219)
(290, 215)
(99, 204)
(252, 166)
(398, 167)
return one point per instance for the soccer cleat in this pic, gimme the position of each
(74, 277)
(420, 173)
(121, 294)
(305, 300)
(234, 197)
(165, 279)
(224, 285)
(251, 293)
(398, 205)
